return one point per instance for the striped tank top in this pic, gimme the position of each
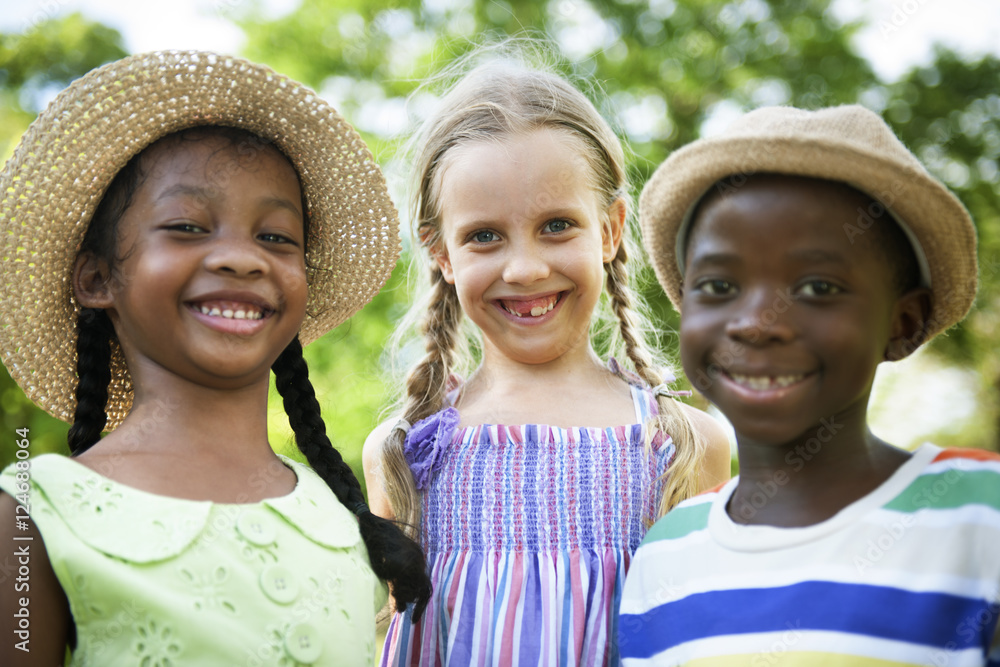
(529, 531)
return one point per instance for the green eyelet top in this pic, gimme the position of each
(160, 581)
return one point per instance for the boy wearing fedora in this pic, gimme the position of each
(802, 249)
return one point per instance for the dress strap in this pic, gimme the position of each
(644, 402)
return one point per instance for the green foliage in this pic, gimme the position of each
(42, 61)
(661, 70)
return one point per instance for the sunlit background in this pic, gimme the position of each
(671, 70)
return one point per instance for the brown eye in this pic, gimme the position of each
(819, 288)
(186, 227)
(715, 287)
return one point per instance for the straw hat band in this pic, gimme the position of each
(72, 152)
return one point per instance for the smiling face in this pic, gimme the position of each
(784, 319)
(524, 240)
(211, 281)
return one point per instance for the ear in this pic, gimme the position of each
(910, 318)
(439, 253)
(614, 227)
(92, 281)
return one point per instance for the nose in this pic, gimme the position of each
(236, 254)
(762, 317)
(525, 264)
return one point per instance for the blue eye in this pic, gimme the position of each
(555, 226)
(715, 287)
(819, 288)
(484, 236)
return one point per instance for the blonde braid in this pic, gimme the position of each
(426, 390)
(682, 478)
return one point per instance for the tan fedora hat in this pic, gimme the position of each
(849, 144)
(68, 157)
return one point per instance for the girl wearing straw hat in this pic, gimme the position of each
(176, 225)
(802, 249)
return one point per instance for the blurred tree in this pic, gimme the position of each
(42, 60)
(949, 114)
(668, 71)
(665, 72)
(34, 65)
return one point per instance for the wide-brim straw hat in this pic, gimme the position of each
(68, 157)
(849, 144)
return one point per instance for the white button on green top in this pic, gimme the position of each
(257, 527)
(279, 584)
(303, 643)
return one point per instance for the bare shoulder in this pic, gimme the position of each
(371, 453)
(371, 460)
(32, 601)
(717, 464)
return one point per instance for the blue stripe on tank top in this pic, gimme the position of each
(584, 493)
(532, 526)
(467, 617)
(811, 605)
(567, 611)
(507, 509)
(477, 503)
(531, 615)
(613, 657)
(405, 628)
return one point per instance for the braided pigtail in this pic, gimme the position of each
(683, 476)
(93, 367)
(394, 557)
(426, 391)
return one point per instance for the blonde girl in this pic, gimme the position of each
(529, 483)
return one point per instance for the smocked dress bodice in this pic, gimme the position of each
(529, 531)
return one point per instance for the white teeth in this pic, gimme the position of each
(214, 311)
(536, 311)
(762, 382)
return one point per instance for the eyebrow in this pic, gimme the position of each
(810, 256)
(818, 256)
(714, 258)
(207, 193)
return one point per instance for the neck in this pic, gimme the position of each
(499, 368)
(810, 479)
(569, 391)
(171, 415)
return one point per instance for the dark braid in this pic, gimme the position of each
(394, 557)
(93, 367)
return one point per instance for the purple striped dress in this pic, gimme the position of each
(529, 531)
